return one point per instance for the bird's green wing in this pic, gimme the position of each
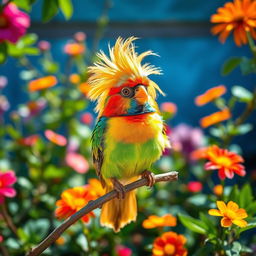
(98, 146)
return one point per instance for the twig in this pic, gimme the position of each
(8, 219)
(55, 234)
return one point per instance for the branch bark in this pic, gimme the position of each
(55, 234)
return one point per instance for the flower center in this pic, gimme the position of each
(230, 214)
(3, 21)
(169, 249)
(224, 161)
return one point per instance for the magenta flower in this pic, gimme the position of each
(77, 162)
(7, 179)
(123, 251)
(13, 23)
(194, 186)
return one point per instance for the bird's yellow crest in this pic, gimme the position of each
(122, 64)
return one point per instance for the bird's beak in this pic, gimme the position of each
(141, 95)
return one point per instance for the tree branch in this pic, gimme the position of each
(55, 234)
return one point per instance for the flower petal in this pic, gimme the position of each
(222, 206)
(226, 222)
(215, 212)
(232, 206)
(240, 223)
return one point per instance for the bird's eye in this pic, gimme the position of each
(127, 92)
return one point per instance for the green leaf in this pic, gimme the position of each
(29, 39)
(208, 223)
(50, 9)
(245, 196)
(198, 200)
(66, 8)
(251, 224)
(234, 194)
(241, 93)
(52, 172)
(251, 209)
(3, 52)
(31, 51)
(239, 130)
(230, 65)
(247, 66)
(23, 4)
(193, 224)
(233, 249)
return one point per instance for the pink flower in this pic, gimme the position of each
(55, 138)
(77, 162)
(80, 36)
(3, 81)
(44, 45)
(123, 251)
(1, 239)
(168, 107)
(194, 186)
(7, 179)
(87, 118)
(13, 23)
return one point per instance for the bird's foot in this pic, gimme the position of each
(150, 177)
(119, 188)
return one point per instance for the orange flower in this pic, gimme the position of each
(55, 138)
(42, 83)
(200, 153)
(74, 78)
(60, 241)
(226, 162)
(72, 200)
(239, 16)
(169, 243)
(210, 95)
(74, 49)
(84, 88)
(96, 187)
(231, 214)
(154, 221)
(215, 118)
(218, 190)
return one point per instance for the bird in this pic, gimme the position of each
(129, 135)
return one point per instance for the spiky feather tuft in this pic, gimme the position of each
(122, 64)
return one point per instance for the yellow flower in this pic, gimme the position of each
(231, 214)
(154, 221)
(239, 17)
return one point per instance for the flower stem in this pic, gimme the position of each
(8, 219)
(251, 43)
(241, 119)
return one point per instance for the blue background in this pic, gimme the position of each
(190, 58)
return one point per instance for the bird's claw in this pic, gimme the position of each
(150, 177)
(119, 188)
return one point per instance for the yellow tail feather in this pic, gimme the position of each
(117, 213)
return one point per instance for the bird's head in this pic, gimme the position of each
(120, 83)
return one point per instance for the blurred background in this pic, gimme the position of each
(177, 30)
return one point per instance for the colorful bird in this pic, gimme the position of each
(130, 134)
